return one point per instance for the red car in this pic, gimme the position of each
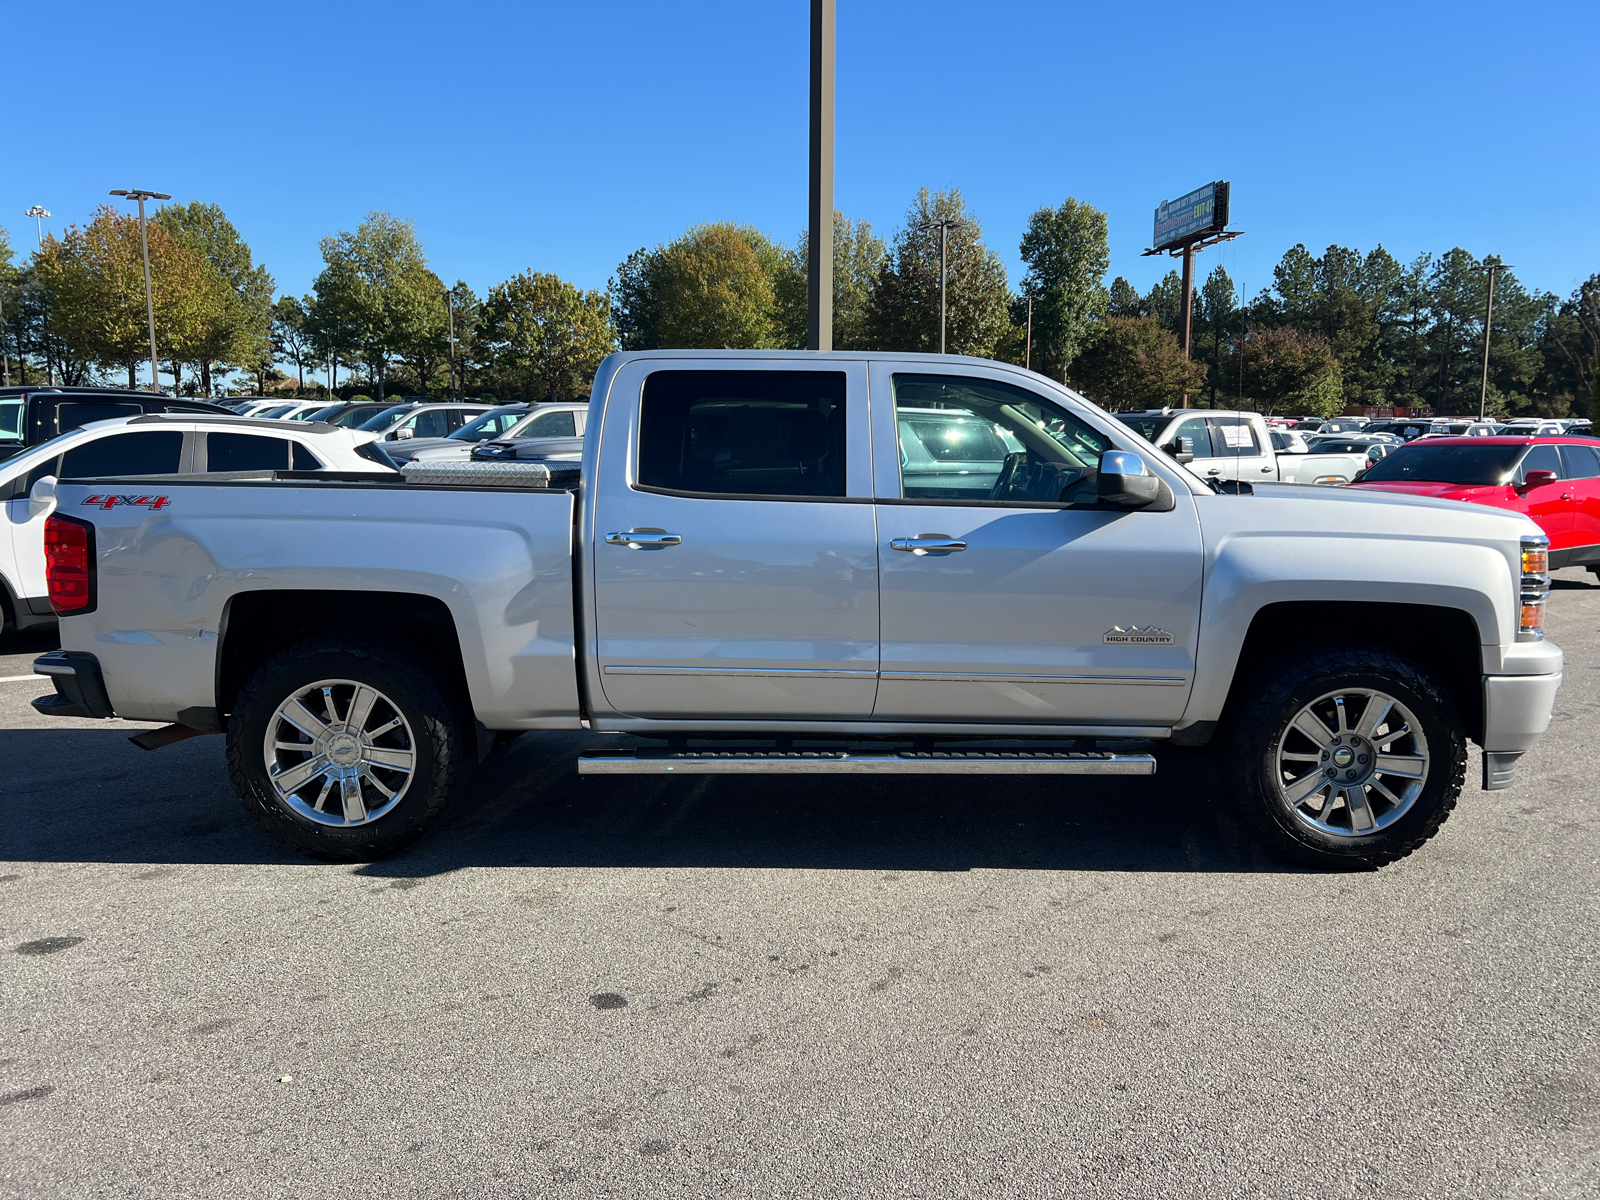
(1554, 480)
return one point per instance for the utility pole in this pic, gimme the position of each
(819, 258)
(1493, 269)
(149, 296)
(5, 355)
(38, 212)
(1027, 353)
(450, 312)
(944, 225)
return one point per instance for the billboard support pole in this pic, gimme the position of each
(1188, 307)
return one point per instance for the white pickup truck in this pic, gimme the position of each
(827, 563)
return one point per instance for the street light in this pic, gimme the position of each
(149, 296)
(450, 314)
(1488, 320)
(1027, 353)
(944, 225)
(38, 212)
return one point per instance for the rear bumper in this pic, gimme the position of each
(80, 691)
(1516, 712)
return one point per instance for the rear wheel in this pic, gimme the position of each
(1353, 758)
(344, 750)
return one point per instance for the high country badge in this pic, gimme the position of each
(1134, 636)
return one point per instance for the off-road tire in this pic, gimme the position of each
(1250, 743)
(442, 755)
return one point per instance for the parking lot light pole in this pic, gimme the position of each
(144, 246)
(944, 225)
(819, 223)
(1493, 269)
(450, 313)
(1027, 352)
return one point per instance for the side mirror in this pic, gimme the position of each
(404, 435)
(1181, 449)
(42, 499)
(1124, 480)
(1533, 479)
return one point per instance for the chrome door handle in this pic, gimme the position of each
(1264, 469)
(643, 539)
(927, 543)
(1214, 471)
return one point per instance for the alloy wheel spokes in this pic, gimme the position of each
(1351, 763)
(340, 752)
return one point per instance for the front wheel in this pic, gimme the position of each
(1351, 759)
(343, 750)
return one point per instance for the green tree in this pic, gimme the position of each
(1164, 302)
(1124, 300)
(1573, 334)
(858, 255)
(231, 321)
(1287, 369)
(1215, 316)
(904, 314)
(376, 297)
(1134, 363)
(542, 338)
(292, 335)
(715, 287)
(1067, 254)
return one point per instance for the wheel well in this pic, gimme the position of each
(257, 625)
(1445, 642)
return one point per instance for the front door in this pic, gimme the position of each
(1009, 595)
(735, 564)
(1551, 505)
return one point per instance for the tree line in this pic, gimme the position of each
(1345, 328)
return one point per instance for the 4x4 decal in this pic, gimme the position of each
(153, 503)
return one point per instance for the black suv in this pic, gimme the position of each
(32, 415)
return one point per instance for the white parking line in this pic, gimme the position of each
(19, 678)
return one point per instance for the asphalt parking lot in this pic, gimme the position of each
(715, 987)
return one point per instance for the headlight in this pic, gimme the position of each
(1533, 588)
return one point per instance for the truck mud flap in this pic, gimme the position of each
(844, 762)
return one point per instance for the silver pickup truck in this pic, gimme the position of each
(827, 563)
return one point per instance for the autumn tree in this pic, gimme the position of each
(1288, 370)
(715, 287)
(231, 322)
(904, 312)
(1134, 363)
(1067, 254)
(542, 338)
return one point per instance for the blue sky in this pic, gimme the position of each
(561, 137)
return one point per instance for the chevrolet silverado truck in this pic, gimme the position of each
(838, 563)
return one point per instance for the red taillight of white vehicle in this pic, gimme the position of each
(69, 565)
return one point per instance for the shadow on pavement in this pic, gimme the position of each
(85, 794)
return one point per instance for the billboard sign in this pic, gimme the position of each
(1202, 211)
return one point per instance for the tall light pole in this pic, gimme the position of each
(819, 254)
(944, 225)
(38, 212)
(1027, 353)
(149, 296)
(1493, 269)
(450, 313)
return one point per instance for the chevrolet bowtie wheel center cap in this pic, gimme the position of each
(344, 749)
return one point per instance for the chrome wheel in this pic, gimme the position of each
(1352, 763)
(340, 753)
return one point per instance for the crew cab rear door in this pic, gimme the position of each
(1002, 603)
(734, 553)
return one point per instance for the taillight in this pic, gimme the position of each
(1533, 588)
(69, 564)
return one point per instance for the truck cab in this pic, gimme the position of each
(1234, 447)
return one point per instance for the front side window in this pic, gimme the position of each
(1539, 458)
(743, 433)
(434, 423)
(1197, 431)
(124, 454)
(972, 440)
(487, 426)
(246, 452)
(551, 424)
(1234, 437)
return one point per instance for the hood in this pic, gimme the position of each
(411, 447)
(1442, 491)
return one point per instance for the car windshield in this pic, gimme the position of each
(386, 418)
(1146, 425)
(1422, 462)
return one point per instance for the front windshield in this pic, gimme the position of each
(490, 425)
(386, 418)
(1421, 462)
(1144, 424)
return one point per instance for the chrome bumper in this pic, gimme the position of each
(1516, 712)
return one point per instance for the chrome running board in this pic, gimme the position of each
(848, 762)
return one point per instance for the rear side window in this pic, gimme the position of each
(156, 453)
(744, 433)
(246, 452)
(553, 424)
(1581, 462)
(74, 414)
(303, 459)
(435, 423)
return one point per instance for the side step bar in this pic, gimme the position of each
(845, 762)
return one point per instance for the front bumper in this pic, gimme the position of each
(1516, 712)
